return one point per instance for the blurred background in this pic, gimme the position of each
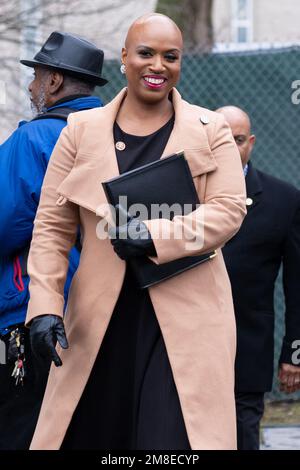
(241, 52)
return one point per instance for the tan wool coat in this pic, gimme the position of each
(194, 309)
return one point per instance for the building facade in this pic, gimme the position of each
(24, 29)
(244, 24)
(238, 24)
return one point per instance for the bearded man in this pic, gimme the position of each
(66, 72)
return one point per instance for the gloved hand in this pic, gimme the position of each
(45, 330)
(132, 238)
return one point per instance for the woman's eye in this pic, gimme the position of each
(145, 53)
(171, 57)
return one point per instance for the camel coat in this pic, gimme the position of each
(194, 309)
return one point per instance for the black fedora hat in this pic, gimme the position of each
(71, 54)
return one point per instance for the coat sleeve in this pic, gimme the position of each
(22, 168)
(54, 234)
(291, 284)
(218, 218)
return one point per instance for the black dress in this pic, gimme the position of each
(130, 400)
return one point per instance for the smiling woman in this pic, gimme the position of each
(152, 59)
(145, 369)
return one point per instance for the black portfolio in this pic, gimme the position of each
(158, 186)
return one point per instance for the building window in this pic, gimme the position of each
(242, 6)
(242, 21)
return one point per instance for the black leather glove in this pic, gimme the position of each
(132, 238)
(45, 331)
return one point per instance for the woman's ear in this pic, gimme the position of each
(124, 55)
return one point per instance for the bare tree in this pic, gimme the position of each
(198, 29)
(194, 17)
(24, 26)
(13, 19)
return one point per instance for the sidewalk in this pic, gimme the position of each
(280, 438)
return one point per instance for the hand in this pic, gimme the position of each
(289, 378)
(132, 238)
(45, 331)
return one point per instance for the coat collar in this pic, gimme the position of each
(92, 167)
(79, 102)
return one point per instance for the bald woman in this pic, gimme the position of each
(145, 369)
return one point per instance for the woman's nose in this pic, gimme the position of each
(157, 64)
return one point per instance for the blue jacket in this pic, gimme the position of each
(24, 157)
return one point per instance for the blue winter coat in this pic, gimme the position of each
(24, 157)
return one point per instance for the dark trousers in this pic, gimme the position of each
(249, 411)
(20, 405)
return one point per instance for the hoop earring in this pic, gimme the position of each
(123, 69)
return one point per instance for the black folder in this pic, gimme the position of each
(165, 181)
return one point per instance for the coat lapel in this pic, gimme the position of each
(95, 161)
(189, 135)
(83, 185)
(253, 187)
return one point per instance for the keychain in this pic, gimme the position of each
(17, 339)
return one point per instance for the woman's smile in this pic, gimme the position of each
(154, 82)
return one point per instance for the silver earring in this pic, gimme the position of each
(123, 69)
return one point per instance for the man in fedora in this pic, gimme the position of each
(66, 72)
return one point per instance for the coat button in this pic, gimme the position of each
(61, 201)
(120, 145)
(204, 119)
(249, 201)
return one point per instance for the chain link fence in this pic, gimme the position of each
(264, 83)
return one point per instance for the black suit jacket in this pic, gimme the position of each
(269, 236)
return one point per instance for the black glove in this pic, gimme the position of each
(45, 330)
(132, 238)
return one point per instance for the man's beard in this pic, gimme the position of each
(39, 105)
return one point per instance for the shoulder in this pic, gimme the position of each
(86, 116)
(89, 120)
(40, 130)
(33, 139)
(214, 123)
(281, 196)
(204, 115)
